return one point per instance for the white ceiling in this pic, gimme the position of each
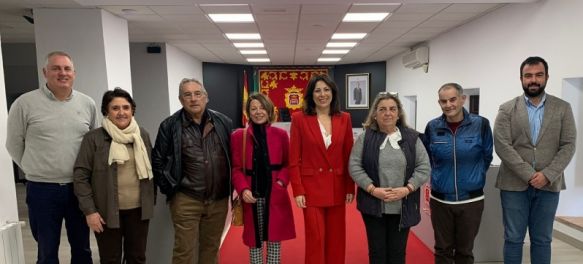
(294, 32)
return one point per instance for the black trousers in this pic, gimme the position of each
(455, 227)
(130, 238)
(387, 243)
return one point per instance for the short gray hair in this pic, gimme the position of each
(57, 53)
(190, 80)
(457, 87)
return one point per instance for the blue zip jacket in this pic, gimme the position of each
(458, 161)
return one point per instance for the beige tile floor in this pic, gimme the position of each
(563, 253)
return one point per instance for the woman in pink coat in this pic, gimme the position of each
(262, 181)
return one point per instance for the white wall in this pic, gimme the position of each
(487, 53)
(570, 199)
(117, 51)
(155, 78)
(180, 65)
(77, 32)
(8, 210)
(96, 40)
(150, 87)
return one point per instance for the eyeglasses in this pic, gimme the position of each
(197, 94)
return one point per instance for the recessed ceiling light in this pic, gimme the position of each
(231, 18)
(253, 51)
(248, 44)
(348, 35)
(340, 44)
(328, 59)
(333, 51)
(364, 17)
(258, 59)
(243, 36)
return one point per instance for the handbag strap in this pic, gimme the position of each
(244, 151)
(243, 166)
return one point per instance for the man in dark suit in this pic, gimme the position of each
(357, 94)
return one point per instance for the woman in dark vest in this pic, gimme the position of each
(388, 163)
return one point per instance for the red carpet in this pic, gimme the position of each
(233, 251)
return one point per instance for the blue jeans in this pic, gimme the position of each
(536, 210)
(48, 204)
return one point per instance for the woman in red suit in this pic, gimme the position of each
(262, 181)
(321, 140)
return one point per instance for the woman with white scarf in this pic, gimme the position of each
(113, 181)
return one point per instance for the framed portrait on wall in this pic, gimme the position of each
(357, 90)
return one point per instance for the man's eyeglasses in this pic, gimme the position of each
(197, 94)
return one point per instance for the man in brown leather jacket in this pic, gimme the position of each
(192, 167)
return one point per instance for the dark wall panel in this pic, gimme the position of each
(224, 84)
(377, 71)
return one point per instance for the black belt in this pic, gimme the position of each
(51, 183)
(274, 167)
(471, 194)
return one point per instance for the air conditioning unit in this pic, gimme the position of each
(416, 58)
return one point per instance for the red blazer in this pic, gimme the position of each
(318, 173)
(281, 220)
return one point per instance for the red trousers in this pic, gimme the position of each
(325, 234)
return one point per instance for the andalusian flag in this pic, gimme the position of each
(245, 118)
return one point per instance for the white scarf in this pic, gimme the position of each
(118, 152)
(393, 139)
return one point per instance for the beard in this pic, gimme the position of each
(534, 93)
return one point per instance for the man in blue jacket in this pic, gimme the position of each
(459, 145)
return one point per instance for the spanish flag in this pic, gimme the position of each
(245, 118)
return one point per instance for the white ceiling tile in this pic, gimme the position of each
(447, 24)
(238, 27)
(286, 18)
(449, 16)
(325, 9)
(475, 8)
(129, 10)
(421, 8)
(275, 9)
(408, 17)
(185, 18)
(143, 17)
(177, 10)
(356, 27)
(315, 19)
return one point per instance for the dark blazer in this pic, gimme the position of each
(95, 181)
(318, 173)
(553, 150)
